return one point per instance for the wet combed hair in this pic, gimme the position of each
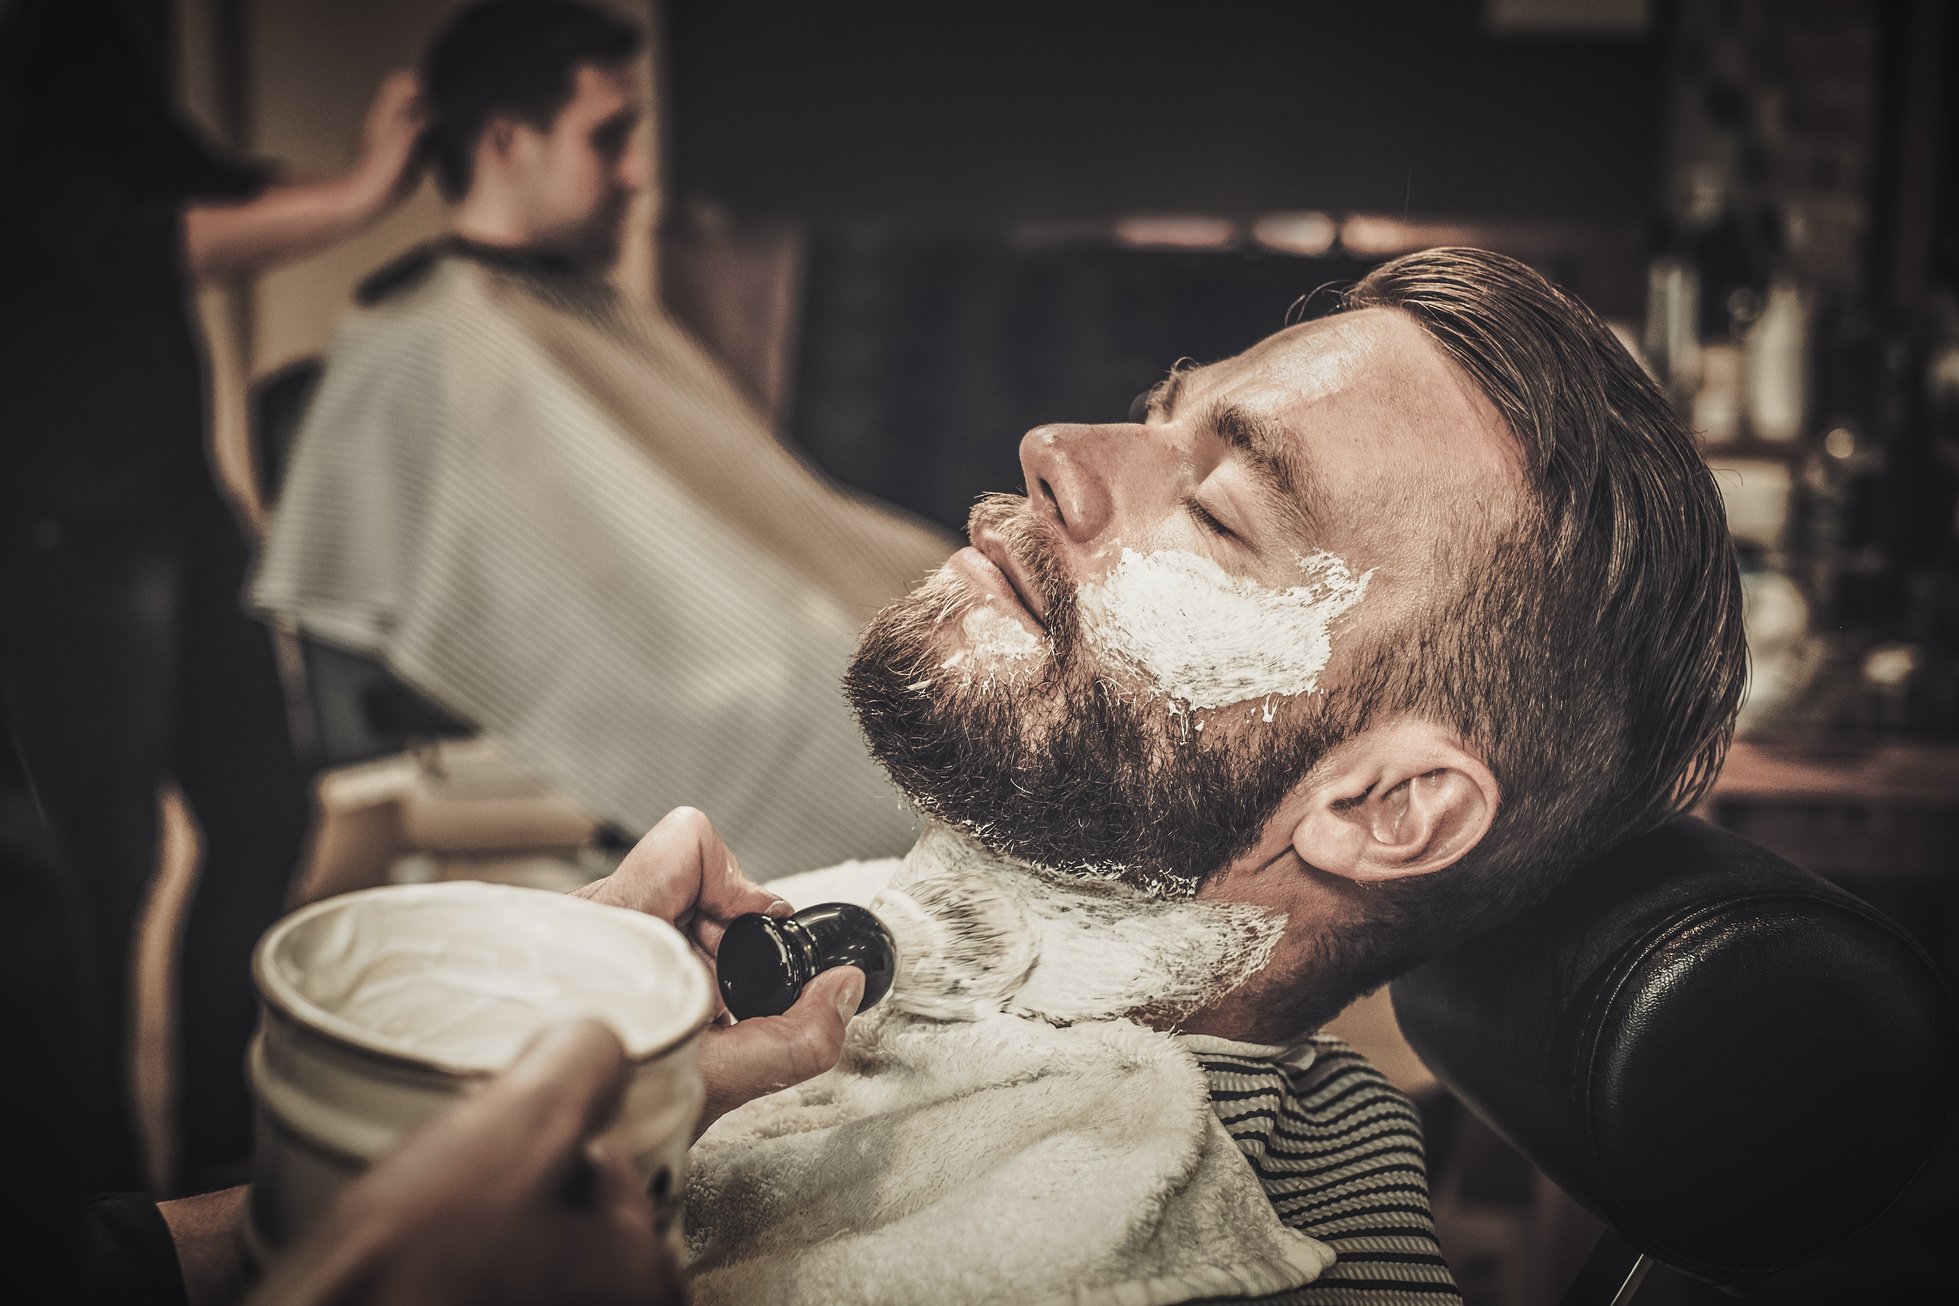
(517, 57)
(1594, 654)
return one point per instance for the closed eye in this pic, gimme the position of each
(1203, 517)
(610, 136)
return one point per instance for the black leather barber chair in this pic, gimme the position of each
(358, 709)
(1732, 1063)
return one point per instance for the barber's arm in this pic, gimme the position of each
(231, 237)
(506, 1197)
(682, 872)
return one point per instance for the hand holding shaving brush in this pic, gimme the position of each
(949, 946)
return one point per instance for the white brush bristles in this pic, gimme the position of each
(978, 935)
(964, 945)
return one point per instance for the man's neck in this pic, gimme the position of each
(489, 228)
(1105, 949)
(484, 217)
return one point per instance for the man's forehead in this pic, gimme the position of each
(1392, 445)
(599, 91)
(1342, 352)
(1373, 364)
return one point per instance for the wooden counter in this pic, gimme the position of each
(1884, 809)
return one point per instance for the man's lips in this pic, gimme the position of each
(988, 562)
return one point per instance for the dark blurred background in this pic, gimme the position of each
(1012, 213)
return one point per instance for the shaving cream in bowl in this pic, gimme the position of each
(383, 1007)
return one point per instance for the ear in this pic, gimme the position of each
(1402, 798)
(498, 136)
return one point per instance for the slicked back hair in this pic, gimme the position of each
(517, 57)
(1595, 657)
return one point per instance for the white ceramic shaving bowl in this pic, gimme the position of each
(382, 1008)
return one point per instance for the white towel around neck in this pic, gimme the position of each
(1001, 1159)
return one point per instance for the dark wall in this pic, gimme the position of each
(962, 114)
(923, 361)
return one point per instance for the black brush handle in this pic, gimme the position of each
(764, 961)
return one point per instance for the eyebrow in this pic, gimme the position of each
(1272, 456)
(1163, 395)
(619, 121)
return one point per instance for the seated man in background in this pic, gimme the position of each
(540, 504)
(1336, 654)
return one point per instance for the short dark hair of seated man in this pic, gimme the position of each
(1546, 656)
(507, 71)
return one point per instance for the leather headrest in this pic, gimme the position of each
(1732, 1062)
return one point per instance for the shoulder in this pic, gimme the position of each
(1320, 1089)
(414, 274)
(397, 277)
(418, 311)
(426, 285)
(1338, 1150)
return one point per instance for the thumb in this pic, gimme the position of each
(516, 1131)
(564, 1087)
(750, 1058)
(839, 990)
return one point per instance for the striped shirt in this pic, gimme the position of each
(1339, 1151)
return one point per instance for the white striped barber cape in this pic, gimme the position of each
(546, 509)
(1339, 1150)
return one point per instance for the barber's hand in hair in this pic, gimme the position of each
(229, 238)
(507, 1198)
(682, 872)
(388, 165)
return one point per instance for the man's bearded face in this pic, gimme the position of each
(579, 176)
(1053, 753)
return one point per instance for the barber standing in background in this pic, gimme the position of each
(123, 646)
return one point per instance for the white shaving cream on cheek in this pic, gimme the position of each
(1208, 638)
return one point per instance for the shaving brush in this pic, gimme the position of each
(949, 946)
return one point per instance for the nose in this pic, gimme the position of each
(1074, 475)
(635, 170)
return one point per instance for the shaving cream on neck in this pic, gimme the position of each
(1104, 949)
(1207, 638)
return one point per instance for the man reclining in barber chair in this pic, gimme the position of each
(1332, 661)
(1333, 655)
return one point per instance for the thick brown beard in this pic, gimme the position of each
(1079, 766)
